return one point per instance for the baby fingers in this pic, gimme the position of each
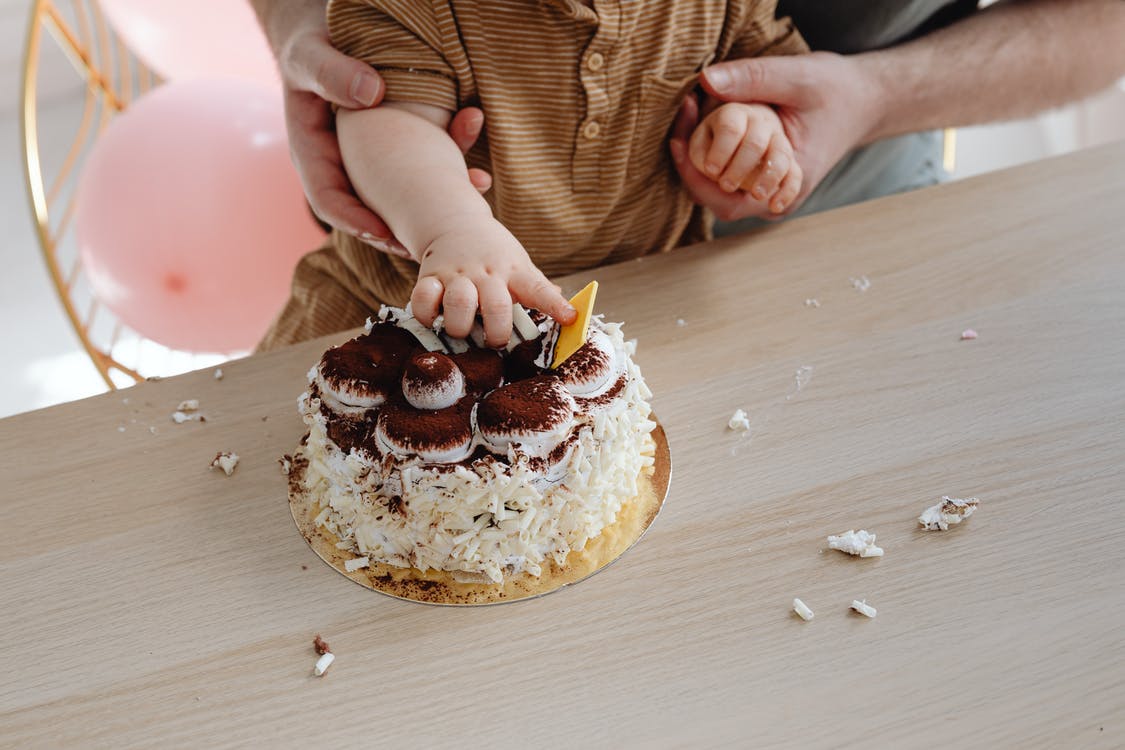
(459, 306)
(495, 311)
(532, 289)
(425, 302)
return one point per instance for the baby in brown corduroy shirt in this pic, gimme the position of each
(578, 100)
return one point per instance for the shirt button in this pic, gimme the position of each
(592, 129)
(595, 61)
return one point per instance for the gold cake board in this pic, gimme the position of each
(438, 587)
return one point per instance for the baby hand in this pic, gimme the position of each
(744, 147)
(482, 266)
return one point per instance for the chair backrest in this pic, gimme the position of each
(111, 79)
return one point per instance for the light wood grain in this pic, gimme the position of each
(148, 600)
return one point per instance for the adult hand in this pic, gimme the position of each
(828, 105)
(315, 75)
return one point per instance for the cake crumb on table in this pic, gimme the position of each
(865, 609)
(950, 511)
(968, 334)
(188, 411)
(860, 283)
(739, 421)
(226, 461)
(861, 543)
(802, 610)
(681, 322)
(812, 302)
(320, 645)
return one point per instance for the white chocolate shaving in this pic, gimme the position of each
(356, 563)
(323, 663)
(863, 608)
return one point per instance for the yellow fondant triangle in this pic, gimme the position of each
(573, 336)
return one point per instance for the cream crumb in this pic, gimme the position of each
(681, 322)
(812, 302)
(950, 511)
(863, 608)
(968, 334)
(860, 543)
(739, 421)
(802, 610)
(226, 461)
(218, 373)
(860, 283)
(191, 404)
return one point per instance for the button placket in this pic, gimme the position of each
(588, 148)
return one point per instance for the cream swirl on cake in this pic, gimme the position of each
(439, 454)
(432, 381)
(361, 374)
(534, 415)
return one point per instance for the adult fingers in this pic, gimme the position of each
(312, 64)
(426, 299)
(459, 306)
(465, 127)
(481, 180)
(532, 289)
(687, 118)
(495, 311)
(774, 80)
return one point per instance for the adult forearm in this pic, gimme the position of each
(1011, 60)
(410, 169)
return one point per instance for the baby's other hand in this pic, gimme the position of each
(482, 266)
(744, 147)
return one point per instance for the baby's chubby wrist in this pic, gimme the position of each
(465, 230)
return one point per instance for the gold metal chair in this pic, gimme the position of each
(112, 78)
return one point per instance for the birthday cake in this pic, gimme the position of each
(430, 453)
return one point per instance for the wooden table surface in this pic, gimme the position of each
(148, 600)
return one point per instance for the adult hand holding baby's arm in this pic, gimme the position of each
(315, 76)
(400, 158)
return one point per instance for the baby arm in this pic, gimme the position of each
(401, 160)
(744, 147)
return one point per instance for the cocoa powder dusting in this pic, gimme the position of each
(483, 369)
(520, 362)
(605, 398)
(370, 364)
(584, 364)
(534, 405)
(428, 429)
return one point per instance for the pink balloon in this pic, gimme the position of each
(198, 39)
(190, 217)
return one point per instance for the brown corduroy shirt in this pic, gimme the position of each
(578, 101)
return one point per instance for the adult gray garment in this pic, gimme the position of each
(892, 165)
